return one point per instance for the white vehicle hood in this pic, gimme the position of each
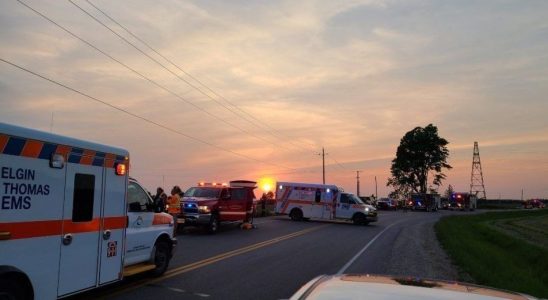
(383, 287)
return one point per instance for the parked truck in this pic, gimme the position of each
(463, 201)
(423, 201)
(209, 205)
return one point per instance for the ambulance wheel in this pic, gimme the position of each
(213, 225)
(161, 258)
(296, 214)
(12, 290)
(359, 219)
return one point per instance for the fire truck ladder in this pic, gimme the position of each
(476, 179)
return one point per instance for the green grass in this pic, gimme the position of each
(491, 256)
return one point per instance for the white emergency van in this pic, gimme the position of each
(71, 219)
(321, 202)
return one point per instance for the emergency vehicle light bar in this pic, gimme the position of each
(212, 184)
(121, 169)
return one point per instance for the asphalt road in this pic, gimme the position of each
(279, 256)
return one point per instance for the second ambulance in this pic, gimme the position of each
(321, 202)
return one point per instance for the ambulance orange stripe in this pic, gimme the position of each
(160, 219)
(63, 150)
(87, 157)
(109, 160)
(32, 148)
(33, 229)
(25, 230)
(78, 227)
(115, 223)
(285, 198)
(3, 141)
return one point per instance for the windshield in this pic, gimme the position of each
(203, 192)
(356, 198)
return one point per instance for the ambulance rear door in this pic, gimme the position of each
(78, 267)
(316, 209)
(114, 223)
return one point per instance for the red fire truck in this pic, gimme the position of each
(211, 204)
(463, 201)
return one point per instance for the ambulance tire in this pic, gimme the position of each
(161, 258)
(296, 214)
(359, 219)
(11, 289)
(213, 225)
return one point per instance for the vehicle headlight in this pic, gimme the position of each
(367, 209)
(203, 209)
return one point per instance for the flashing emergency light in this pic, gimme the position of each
(459, 196)
(121, 169)
(281, 187)
(328, 191)
(201, 183)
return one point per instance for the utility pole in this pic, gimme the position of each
(323, 154)
(358, 183)
(323, 164)
(521, 194)
(376, 195)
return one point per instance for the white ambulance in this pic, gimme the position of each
(71, 219)
(321, 202)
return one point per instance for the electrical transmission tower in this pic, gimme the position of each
(476, 179)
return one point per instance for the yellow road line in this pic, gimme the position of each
(213, 259)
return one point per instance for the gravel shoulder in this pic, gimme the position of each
(416, 252)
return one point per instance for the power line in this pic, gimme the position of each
(340, 166)
(141, 75)
(173, 73)
(141, 117)
(179, 68)
(137, 72)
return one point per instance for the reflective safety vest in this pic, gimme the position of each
(174, 204)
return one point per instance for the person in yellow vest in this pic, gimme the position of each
(174, 202)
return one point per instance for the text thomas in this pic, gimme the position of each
(17, 195)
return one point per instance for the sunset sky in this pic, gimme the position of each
(257, 88)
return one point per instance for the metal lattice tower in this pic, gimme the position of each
(476, 179)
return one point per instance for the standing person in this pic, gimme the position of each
(174, 202)
(160, 200)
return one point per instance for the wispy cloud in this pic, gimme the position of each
(350, 76)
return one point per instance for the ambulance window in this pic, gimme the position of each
(137, 198)
(82, 201)
(318, 196)
(344, 198)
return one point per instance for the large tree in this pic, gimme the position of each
(421, 151)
